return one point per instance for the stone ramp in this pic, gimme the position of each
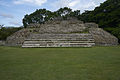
(59, 40)
(103, 38)
(17, 39)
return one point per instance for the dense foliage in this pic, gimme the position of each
(114, 31)
(39, 16)
(107, 15)
(7, 31)
(42, 15)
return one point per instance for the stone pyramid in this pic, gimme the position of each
(62, 33)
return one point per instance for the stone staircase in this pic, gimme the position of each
(59, 40)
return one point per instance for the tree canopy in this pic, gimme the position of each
(39, 16)
(7, 31)
(107, 15)
(42, 15)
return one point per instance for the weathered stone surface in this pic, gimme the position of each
(102, 37)
(62, 33)
(18, 38)
(59, 27)
(2, 43)
(59, 40)
(91, 25)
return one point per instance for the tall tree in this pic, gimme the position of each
(39, 16)
(63, 11)
(75, 13)
(1, 26)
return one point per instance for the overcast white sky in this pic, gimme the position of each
(13, 11)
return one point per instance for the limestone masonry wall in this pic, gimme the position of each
(59, 27)
(59, 40)
(102, 37)
(17, 39)
(2, 43)
(62, 28)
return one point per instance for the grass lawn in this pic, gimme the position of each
(97, 63)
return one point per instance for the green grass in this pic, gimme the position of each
(97, 63)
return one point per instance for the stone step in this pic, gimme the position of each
(35, 42)
(62, 45)
(59, 39)
(55, 46)
(60, 36)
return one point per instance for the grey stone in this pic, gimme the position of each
(102, 37)
(62, 33)
(2, 43)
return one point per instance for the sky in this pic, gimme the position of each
(12, 11)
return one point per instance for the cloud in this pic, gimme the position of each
(73, 3)
(78, 4)
(85, 5)
(60, 3)
(4, 15)
(15, 23)
(35, 2)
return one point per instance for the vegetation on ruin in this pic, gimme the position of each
(42, 15)
(96, 63)
(7, 31)
(107, 15)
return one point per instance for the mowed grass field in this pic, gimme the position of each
(96, 63)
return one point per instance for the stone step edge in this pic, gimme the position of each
(38, 42)
(56, 39)
(55, 46)
(66, 43)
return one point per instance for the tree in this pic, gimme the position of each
(107, 15)
(7, 31)
(64, 11)
(42, 15)
(39, 16)
(1, 26)
(75, 13)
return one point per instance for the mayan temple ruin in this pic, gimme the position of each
(62, 33)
